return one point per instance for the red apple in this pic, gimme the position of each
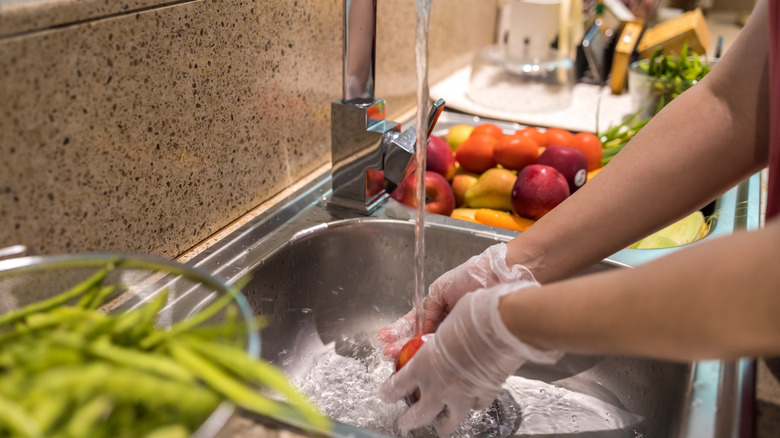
(439, 158)
(569, 161)
(538, 190)
(439, 198)
(407, 351)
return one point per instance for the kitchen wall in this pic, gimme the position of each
(146, 126)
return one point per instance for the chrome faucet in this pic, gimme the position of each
(362, 140)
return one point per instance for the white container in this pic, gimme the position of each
(533, 26)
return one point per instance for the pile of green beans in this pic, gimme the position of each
(617, 136)
(68, 369)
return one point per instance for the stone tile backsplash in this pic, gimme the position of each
(148, 131)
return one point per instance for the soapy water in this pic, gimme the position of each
(346, 389)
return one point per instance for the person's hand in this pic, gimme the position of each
(465, 363)
(480, 271)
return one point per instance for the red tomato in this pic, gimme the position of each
(559, 137)
(515, 151)
(534, 135)
(590, 146)
(476, 153)
(488, 129)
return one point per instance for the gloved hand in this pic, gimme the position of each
(464, 365)
(480, 271)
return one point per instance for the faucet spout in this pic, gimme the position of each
(362, 140)
(359, 51)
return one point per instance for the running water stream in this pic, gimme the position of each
(421, 56)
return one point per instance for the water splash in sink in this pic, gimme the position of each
(346, 390)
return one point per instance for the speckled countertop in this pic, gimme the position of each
(149, 125)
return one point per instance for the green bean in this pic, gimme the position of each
(125, 323)
(261, 373)
(169, 431)
(102, 348)
(87, 416)
(189, 323)
(47, 409)
(127, 385)
(88, 297)
(8, 338)
(222, 382)
(152, 363)
(58, 300)
(41, 354)
(63, 317)
(232, 331)
(137, 324)
(16, 420)
(99, 298)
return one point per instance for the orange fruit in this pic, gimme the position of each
(488, 129)
(590, 146)
(559, 137)
(502, 219)
(515, 151)
(534, 134)
(476, 153)
(593, 173)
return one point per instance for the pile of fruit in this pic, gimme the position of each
(509, 180)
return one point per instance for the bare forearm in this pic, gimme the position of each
(717, 299)
(704, 142)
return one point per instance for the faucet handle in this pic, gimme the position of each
(401, 147)
(399, 153)
(433, 115)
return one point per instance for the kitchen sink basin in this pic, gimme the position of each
(328, 281)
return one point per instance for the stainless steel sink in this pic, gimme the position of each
(329, 282)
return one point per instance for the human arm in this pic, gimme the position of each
(717, 299)
(702, 143)
(714, 299)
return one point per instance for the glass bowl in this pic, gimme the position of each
(525, 86)
(40, 281)
(649, 93)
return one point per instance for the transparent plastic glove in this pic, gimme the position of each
(480, 271)
(464, 365)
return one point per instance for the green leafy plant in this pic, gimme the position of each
(674, 74)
